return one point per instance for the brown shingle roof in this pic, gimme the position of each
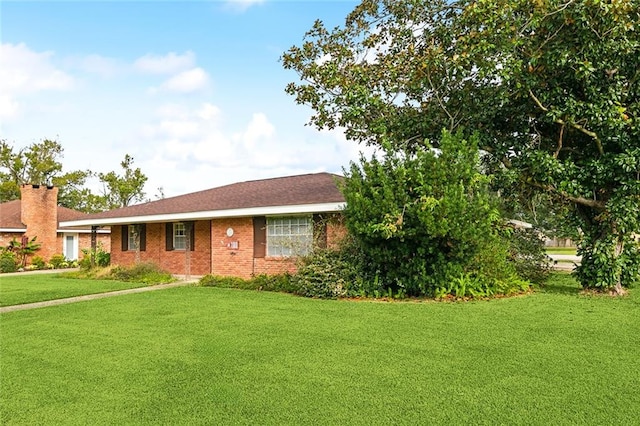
(316, 188)
(10, 215)
(11, 211)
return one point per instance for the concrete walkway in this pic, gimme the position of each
(564, 262)
(184, 282)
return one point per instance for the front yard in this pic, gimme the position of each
(29, 288)
(201, 355)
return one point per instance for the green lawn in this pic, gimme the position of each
(561, 250)
(29, 288)
(202, 355)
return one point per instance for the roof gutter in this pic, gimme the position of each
(59, 231)
(212, 214)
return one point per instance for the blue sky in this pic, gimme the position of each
(194, 91)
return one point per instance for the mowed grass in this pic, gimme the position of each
(202, 355)
(561, 250)
(29, 288)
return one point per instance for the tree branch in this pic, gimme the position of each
(576, 126)
(555, 154)
(587, 202)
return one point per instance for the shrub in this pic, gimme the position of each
(102, 257)
(38, 262)
(282, 282)
(146, 272)
(58, 261)
(8, 261)
(422, 219)
(325, 274)
(475, 286)
(224, 282)
(23, 249)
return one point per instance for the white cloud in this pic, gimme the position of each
(173, 111)
(194, 147)
(168, 64)
(8, 107)
(208, 112)
(180, 129)
(197, 136)
(258, 128)
(193, 80)
(349, 149)
(24, 72)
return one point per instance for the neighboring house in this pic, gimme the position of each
(242, 229)
(37, 214)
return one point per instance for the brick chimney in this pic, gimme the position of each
(40, 215)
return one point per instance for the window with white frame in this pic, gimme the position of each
(289, 236)
(134, 237)
(179, 236)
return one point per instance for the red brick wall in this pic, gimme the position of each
(84, 242)
(6, 237)
(213, 252)
(197, 262)
(40, 215)
(241, 263)
(232, 262)
(275, 265)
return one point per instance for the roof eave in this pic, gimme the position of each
(13, 230)
(212, 214)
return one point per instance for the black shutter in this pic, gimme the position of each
(319, 231)
(190, 232)
(259, 237)
(143, 236)
(192, 236)
(169, 236)
(125, 237)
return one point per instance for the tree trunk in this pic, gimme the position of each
(618, 289)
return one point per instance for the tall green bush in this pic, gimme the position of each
(423, 218)
(8, 261)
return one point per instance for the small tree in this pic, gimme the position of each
(23, 248)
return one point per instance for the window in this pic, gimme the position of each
(179, 236)
(134, 237)
(289, 236)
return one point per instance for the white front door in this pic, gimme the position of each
(70, 246)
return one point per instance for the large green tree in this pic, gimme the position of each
(38, 163)
(122, 190)
(552, 87)
(41, 163)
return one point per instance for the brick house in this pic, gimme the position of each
(37, 214)
(242, 229)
